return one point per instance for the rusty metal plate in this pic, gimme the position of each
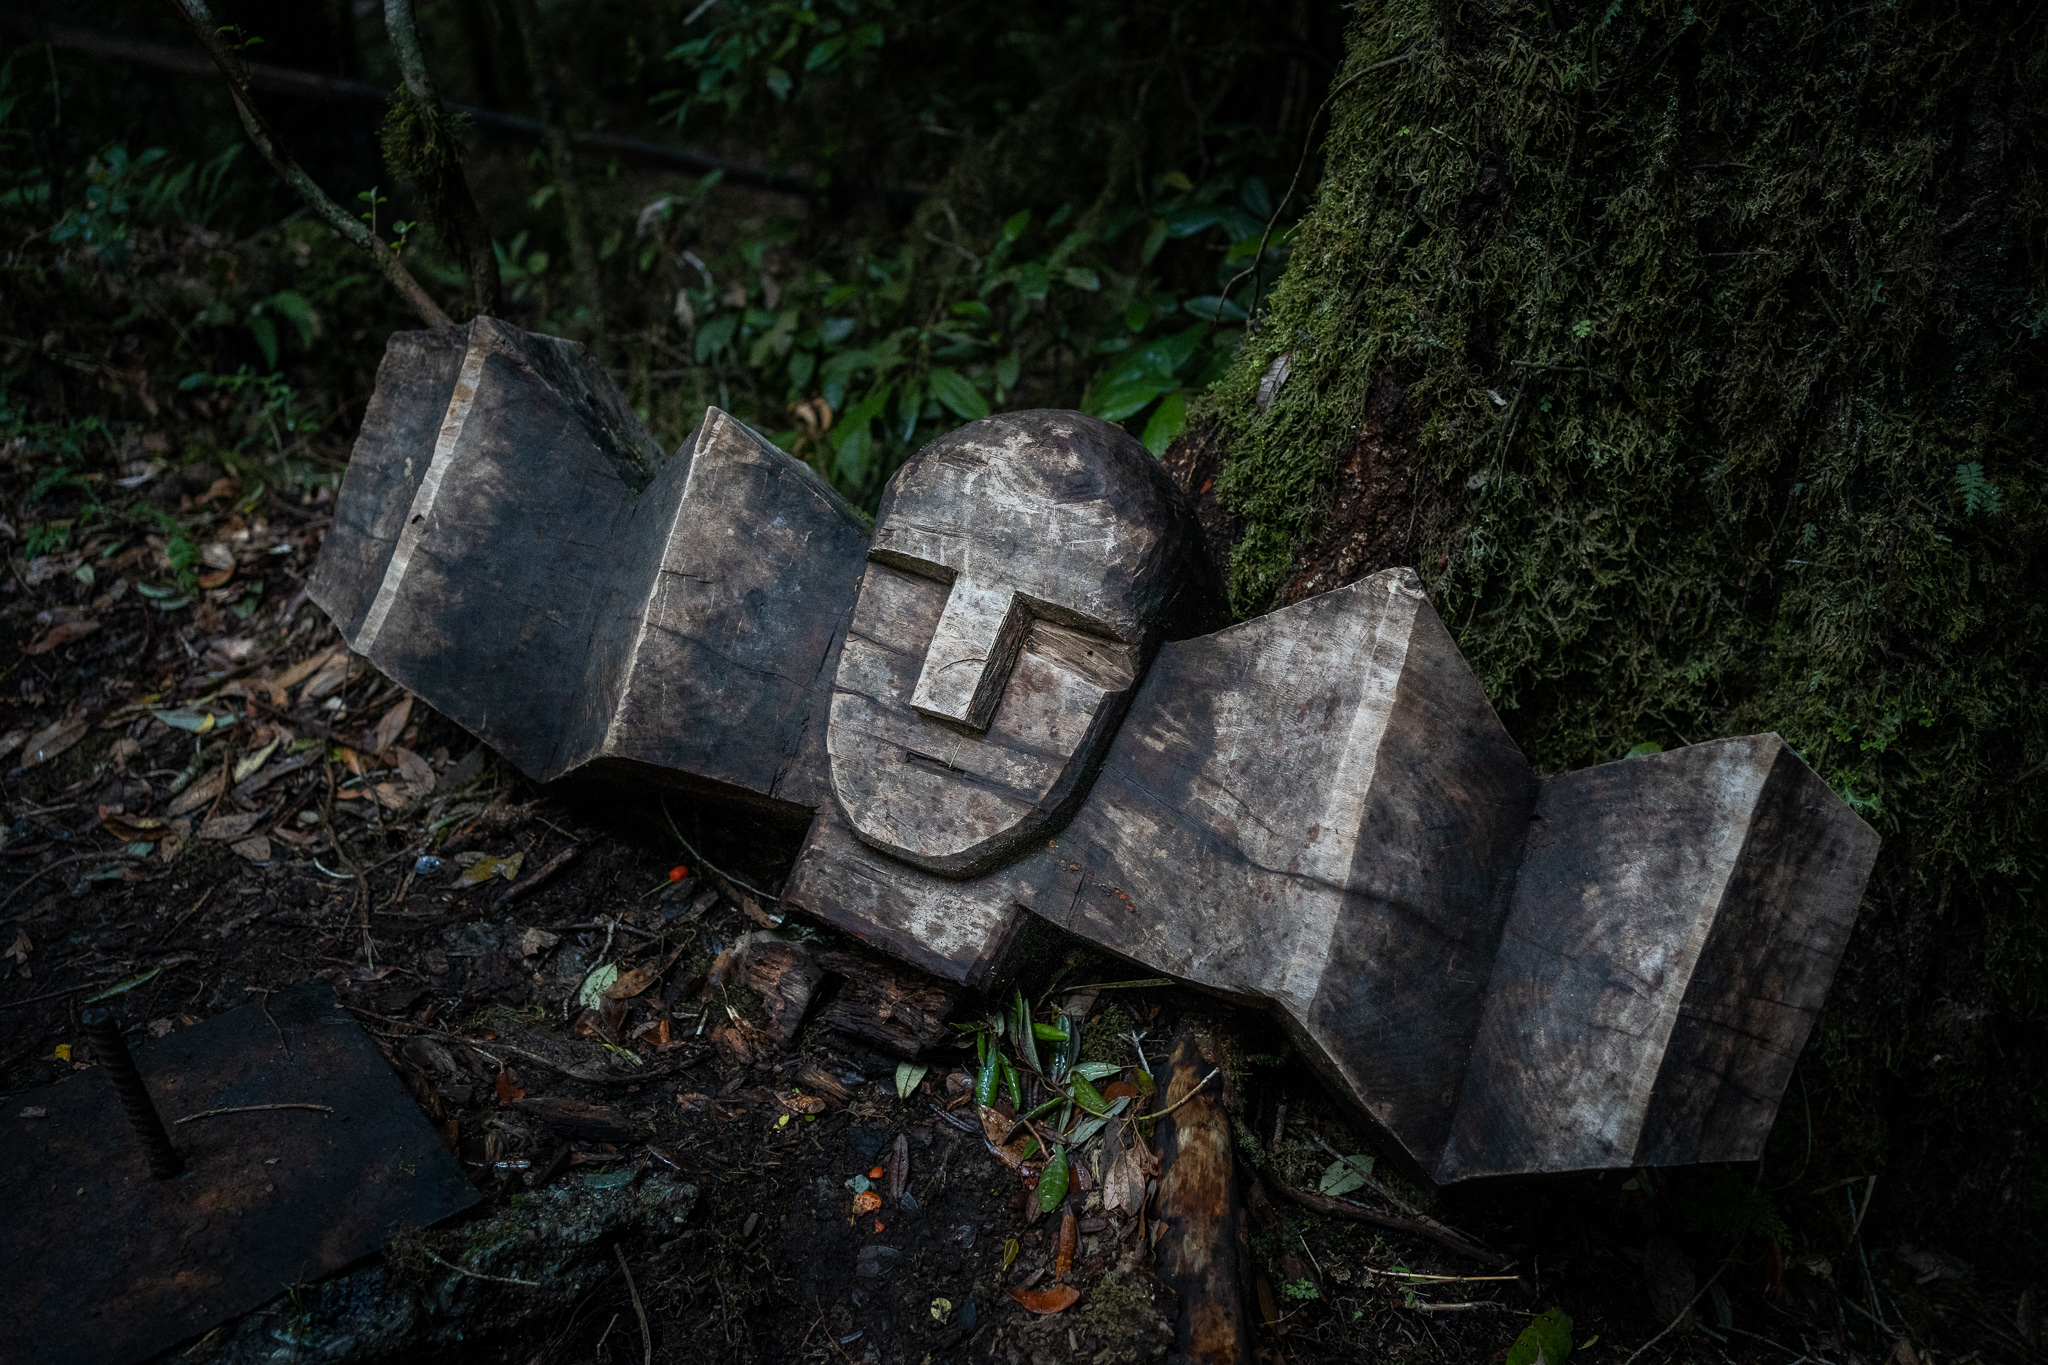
(104, 1264)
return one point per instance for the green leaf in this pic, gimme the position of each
(1014, 229)
(1645, 749)
(1049, 1033)
(957, 392)
(120, 987)
(596, 984)
(265, 332)
(1342, 1177)
(778, 82)
(714, 335)
(1052, 1181)
(1020, 1029)
(1097, 1071)
(1115, 401)
(908, 1077)
(1081, 278)
(1168, 421)
(1087, 1096)
(1547, 1340)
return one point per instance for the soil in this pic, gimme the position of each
(213, 796)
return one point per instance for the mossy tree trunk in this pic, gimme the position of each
(1694, 352)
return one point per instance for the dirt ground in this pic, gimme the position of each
(203, 789)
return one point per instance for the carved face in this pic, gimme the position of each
(1022, 572)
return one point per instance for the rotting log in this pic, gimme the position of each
(1201, 1252)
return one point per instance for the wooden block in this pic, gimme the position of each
(1318, 810)
(1675, 927)
(573, 599)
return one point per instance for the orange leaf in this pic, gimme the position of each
(1055, 1300)
(867, 1201)
(62, 634)
(1063, 1264)
(508, 1086)
(877, 1173)
(218, 578)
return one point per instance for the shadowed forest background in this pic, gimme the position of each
(1693, 354)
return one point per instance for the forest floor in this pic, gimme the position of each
(204, 790)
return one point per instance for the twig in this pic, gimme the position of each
(708, 865)
(1139, 1118)
(252, 1109)
(479, 1275)
(22, 885)
(446, 189)
(197, 905)
(1307, 143)
(1364, 1175)
(1421, 1306)
(1414, 1227)
(201, 22)
(1682, 1313)
(582, 1073)
(646, 1337)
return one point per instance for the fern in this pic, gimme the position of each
(1979, 493)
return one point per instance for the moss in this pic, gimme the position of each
(1722, 326)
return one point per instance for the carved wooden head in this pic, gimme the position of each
(1023, 571)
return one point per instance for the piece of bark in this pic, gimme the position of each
(1202, 1253)
(898, 1011)
(576, 1119)
(784, 976)
(540, 876)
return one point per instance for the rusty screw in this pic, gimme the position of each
(104, 1033)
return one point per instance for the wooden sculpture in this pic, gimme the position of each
(1002, 702)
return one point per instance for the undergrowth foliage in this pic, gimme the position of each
(1721, 328)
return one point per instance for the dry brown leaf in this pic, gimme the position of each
(333, 673)
(867, 1201)
(802, 1104)
(300, 671)
(508, 1087)
(993, 1126)
(217, 579)
(1123, 1188)
(388, 796)
(228, 828)
(632, 983)
(1055, 1300)
(200, 793)
(385, 738)
(54, 739)
(899, 1169)
(59, 635)
(255, 849)
(417, 773)
(488, 866)
(1063, 1262)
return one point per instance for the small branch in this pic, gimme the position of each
(1213, 1072)
(22, 885)
(352, 229)
(1415, 1227)
(1683, 1313)
(479, 1275)
(445, 188)
(646, 1337)
(253, 1109)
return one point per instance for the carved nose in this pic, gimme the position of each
(971, 654)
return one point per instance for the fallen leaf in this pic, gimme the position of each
(626, 985)
(596, 984)
(993, 1126)
(802, 1104)
(1063, 1262)
(1055, 1300)
(508, 1087)
(217, 554)
(417, 773)
(534, 942)
(908, 1077)
(11, 741)
(197, 722)
(228, 828)
(60, 635)
(1053, 1180)
(200, 793)
(488, 866)
(1342, 1177)
(244, 767)
(385, 738)
(867, 1201)
(899, 1169)
(47, 743)
(302, 670)
(388, 796)
(1123, 1188)
(218, 578)
(255, 849)
(332, 674)
(20, 948)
